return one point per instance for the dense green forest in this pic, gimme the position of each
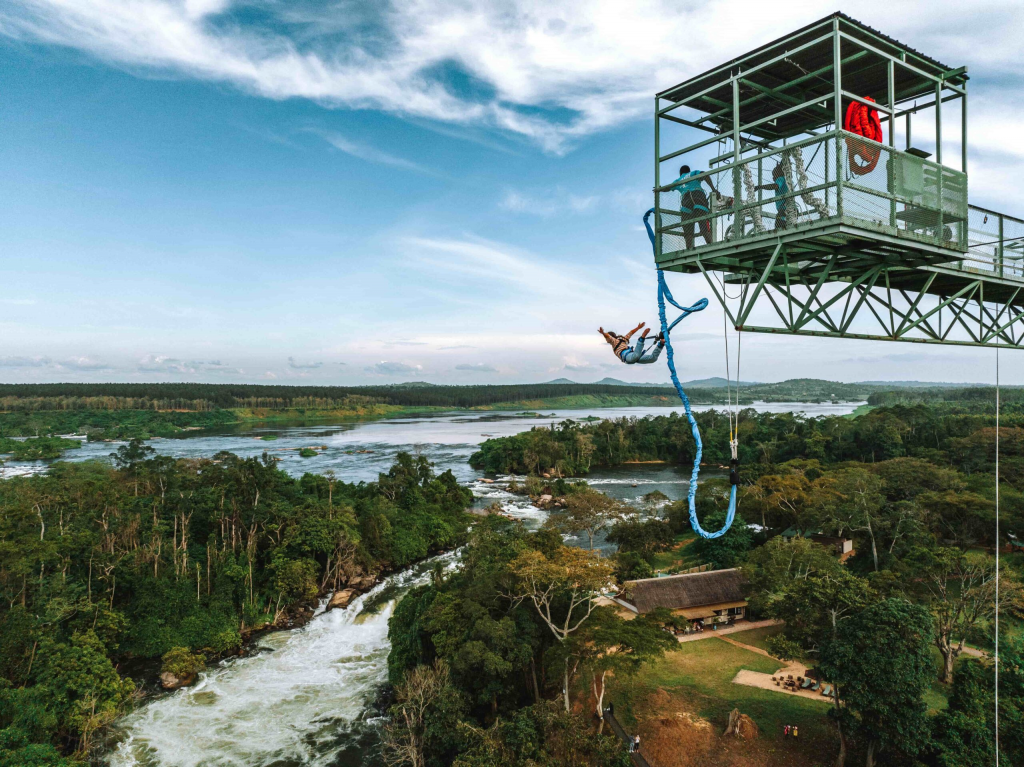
(195, 396)
(486, 662)
(963, 440)
(912, 486)
(152, 557)
(959, 400)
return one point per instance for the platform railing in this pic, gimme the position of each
(995, 244)
(838, 177)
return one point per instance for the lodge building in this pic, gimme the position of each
(711, 597)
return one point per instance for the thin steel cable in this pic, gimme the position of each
(739, 355)
(997, 556)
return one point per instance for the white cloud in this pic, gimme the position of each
(477, 367)
(25, 362)
(161, 363)
(548, 205)
(551, 72)
(576, 364)
(393, 368)
(303, 365)
(82, 363)
(70, 363)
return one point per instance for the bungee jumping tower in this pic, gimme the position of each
(811, 226)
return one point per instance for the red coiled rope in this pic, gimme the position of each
(863, 120)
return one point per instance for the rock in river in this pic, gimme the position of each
(171, 682)
(342, 599)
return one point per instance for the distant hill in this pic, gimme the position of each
(922, 384)
(617, 382)
(716, 382)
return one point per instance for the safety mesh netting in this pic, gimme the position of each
(882, 188)
(996, 244)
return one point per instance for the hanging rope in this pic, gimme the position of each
(664, 294)
(997, 556)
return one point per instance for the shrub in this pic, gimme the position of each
(183, 663)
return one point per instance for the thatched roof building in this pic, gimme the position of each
(694, 595)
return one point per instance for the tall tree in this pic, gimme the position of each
(960, 590)
(562, 590)
(587, 511)
(880, 665)
(610, 644)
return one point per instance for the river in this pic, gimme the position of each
(305, 698)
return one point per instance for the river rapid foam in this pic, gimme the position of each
(304, 699)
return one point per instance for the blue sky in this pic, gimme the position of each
(363, 193)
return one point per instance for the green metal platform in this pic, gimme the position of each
(839, 235)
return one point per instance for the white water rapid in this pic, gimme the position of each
(303, 699)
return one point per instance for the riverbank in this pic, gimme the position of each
(125, 411)
(305, 696)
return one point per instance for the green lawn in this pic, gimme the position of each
(700, 674)
(681, 557)
(935, 696)
(757, 637)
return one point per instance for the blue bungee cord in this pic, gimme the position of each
(664, 294)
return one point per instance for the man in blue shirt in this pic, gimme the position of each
(693, 203)
(781, 188)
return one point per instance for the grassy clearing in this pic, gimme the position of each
(756, 637)
(701, 673)
(680, 556)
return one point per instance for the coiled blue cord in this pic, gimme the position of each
(664, 294)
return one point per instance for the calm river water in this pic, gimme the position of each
(306, 699)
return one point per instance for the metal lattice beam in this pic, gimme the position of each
(807, 302)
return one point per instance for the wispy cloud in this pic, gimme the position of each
(550, 205)
(161, 363)
(393, 368)
(551, 72)
(372, 154)
(303, 365)
(500, 264)
(25, 362)
(477, 367)
(69, 363)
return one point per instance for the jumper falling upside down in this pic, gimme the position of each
(635, 354)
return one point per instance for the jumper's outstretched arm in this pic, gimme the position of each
(630, 333)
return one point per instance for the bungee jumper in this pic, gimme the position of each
(635, 354)
(664, 294)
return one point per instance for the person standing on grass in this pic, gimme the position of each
(794, 731)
